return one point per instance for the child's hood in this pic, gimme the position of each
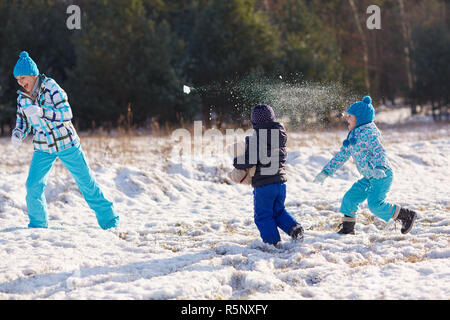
(370, 128)
(38, 87)
(363, 130)
(268, 125)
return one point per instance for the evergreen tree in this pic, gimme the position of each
(38, 27)
(231, 40)
(431, 58)
(124, 59)
(309, 48)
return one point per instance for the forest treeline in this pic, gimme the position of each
(130, 59)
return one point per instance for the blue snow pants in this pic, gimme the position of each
(270, 213)
(374, 190)
(75, 161)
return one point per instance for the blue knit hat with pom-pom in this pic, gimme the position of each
(25, 66)
(363, 111)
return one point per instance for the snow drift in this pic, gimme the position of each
(190, 233)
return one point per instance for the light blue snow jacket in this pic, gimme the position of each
(366, 149)
(54, 131)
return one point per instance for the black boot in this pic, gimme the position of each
(296, 232)
(348, 225)
(407, 217)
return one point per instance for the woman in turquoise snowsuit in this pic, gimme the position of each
(363, 143)
(43, 110)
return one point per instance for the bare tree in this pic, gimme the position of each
(406, 34)
(364, 43)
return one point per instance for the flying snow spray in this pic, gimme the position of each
(297, 103)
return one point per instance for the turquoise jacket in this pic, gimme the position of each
(366, 149)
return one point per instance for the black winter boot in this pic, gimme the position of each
(348, 225)
(296, 232)
(407, 217)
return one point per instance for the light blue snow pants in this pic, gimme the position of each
(374, 190)
(75, 161)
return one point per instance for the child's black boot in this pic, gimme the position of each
(347, 225)
(296, 232)
(407, 217)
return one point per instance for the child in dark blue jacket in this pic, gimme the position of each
(266, 149)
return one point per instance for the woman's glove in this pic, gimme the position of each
(16, 138)
(320, 178)
(33, 110)
(379, 173)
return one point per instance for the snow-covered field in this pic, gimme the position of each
(190, 234)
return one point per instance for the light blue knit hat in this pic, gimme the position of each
(363, 111)
(25, 66)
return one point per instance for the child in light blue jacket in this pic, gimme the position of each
(363, 143)
(43, 111)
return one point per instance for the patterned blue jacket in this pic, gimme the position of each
(54, 131)
(366, 149)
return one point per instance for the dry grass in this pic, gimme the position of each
(124, 146)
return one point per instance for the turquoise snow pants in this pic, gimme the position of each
(374, 190)
(75, 161)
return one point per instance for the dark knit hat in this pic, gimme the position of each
(262, 113)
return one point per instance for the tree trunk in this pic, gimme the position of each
(377, 63)
(406, 34)
(364, 43)
(407, 40)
